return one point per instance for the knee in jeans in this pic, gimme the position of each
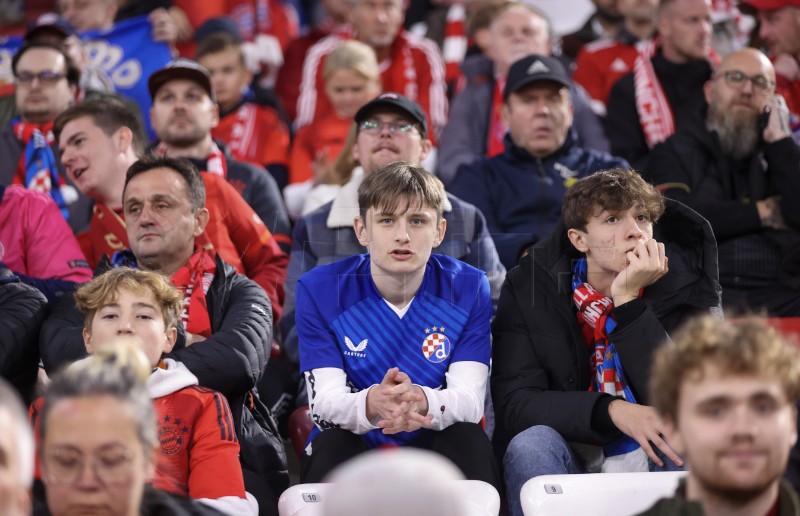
(538, 438)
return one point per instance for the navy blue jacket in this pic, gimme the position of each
(521, 196)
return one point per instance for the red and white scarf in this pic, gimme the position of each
(244, 124)
(215, 162)
(655, 113)
(454, 46)
(193, 280)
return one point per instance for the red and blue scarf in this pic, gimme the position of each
(597, 322)
(37, 168)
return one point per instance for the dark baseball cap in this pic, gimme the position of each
(395, 102)
(50, 21)
(534, 68)
(215, 25)
(181, 68)
(771, 5)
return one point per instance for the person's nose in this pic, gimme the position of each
(125, 326)
(87, 476)
(401, 232)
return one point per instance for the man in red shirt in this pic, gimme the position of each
(601, 63)
(253, 132)
(100, 139)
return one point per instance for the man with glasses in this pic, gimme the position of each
(742, 172)
(520, 190)
(46, 85)
(389, 128)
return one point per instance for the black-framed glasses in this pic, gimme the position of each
(736, 79)
(45, 77)
(112, 465)
(373, 126)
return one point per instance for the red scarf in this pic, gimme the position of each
(37, 168)
(193, 280)
(454, 46)
(655, 113)
(240, 132)
(215, 162)
(497, 128)
(594, 310)
(398, 72)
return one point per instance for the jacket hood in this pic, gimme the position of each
(170, 377)
(693, 276)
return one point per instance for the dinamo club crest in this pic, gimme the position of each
(436, 346)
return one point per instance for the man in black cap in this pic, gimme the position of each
(520, 190)
(183, 113)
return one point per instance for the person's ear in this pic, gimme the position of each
(707, 87)
(214, 114)
(441, 229)
(578, 239)
(505, 114)
(361, 231)
(124, 139)
(171, 338)
(201, 217)
(794, 424)
(87, 341)
(425, 148)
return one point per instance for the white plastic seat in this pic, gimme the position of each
(306, 499)
(596, 494)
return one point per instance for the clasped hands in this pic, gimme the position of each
(399, 405)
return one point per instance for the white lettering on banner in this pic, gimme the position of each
(106, 57)
(6, 75)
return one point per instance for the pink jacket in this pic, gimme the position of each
(35, 240)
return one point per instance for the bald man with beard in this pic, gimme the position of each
(742, 172)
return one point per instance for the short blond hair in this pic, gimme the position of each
(354, 56)
(745, 347)
(105, 288)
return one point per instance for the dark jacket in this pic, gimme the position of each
(22, 310)
(683, 87)
(540, 360)
(11, 149)
(465, 137)
(691, 168)
(231, 361)
(678, 505)
(521, 196)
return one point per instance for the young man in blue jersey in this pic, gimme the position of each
(395, 343)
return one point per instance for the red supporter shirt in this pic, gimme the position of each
(326, 135)
(254, 133)
(600, 65)
(414, 68)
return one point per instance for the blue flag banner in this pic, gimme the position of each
(8, 47)
(127, 54)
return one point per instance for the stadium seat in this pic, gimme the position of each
(596, 494)
(305, 499)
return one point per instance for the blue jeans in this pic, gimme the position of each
(540, 450)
